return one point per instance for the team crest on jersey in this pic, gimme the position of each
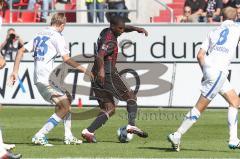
(105, 47)
(39, 58)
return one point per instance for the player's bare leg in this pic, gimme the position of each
(107, 110)
(190, 118)
(6, 146)
(61, 109)
(232, 98)
(5, 150)
(61, 112)
(69, 138)
(4, 154)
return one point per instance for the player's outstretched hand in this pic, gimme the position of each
(12, 79)
(142, 30)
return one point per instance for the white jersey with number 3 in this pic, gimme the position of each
(47, 45)
(220, 46)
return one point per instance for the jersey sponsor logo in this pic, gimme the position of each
(39, 58)
(221, 49)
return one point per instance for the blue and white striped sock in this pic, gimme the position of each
(191, 118)
(51, 123)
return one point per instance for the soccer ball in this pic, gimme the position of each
(123, 135)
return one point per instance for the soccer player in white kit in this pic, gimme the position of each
(214, 58)
(5, 149)
(47, 45)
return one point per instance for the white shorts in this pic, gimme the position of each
(50, 93)
(214, 82)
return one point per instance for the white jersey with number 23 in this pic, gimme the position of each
(46, 45)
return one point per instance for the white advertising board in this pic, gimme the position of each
(153, 91)
(159, 85)
(165, 43)
(165, 63)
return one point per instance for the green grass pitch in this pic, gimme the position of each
(208, 138)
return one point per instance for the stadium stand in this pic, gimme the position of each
(152, 10)
(21, 3)
(164, 15)
(6, 16)
(71, 16)
(28, 17)
(21, 17)
(34, 16)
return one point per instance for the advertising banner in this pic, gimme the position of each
(161, 68)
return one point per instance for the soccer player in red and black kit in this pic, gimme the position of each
(108, 83)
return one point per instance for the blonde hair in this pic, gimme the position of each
(58, 19)
(229, 13)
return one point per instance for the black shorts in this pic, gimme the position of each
(114, 86)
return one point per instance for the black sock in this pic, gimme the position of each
(132, 112)
(98, 122)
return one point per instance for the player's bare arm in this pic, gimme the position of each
(101, 73)
(200, 58)
(2, 62)
(3, 44)
(21, 43)
(130, 28)
(13, 76)
(68, 60)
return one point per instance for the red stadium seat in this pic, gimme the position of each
(164, 16)
(6, 16)
(29, 16)
(71, 16)
(21, 3)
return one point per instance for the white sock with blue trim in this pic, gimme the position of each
(3, 152)
(191, 118)
(67, 121)
(51, 123)
(232, 123)
(1, 139)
